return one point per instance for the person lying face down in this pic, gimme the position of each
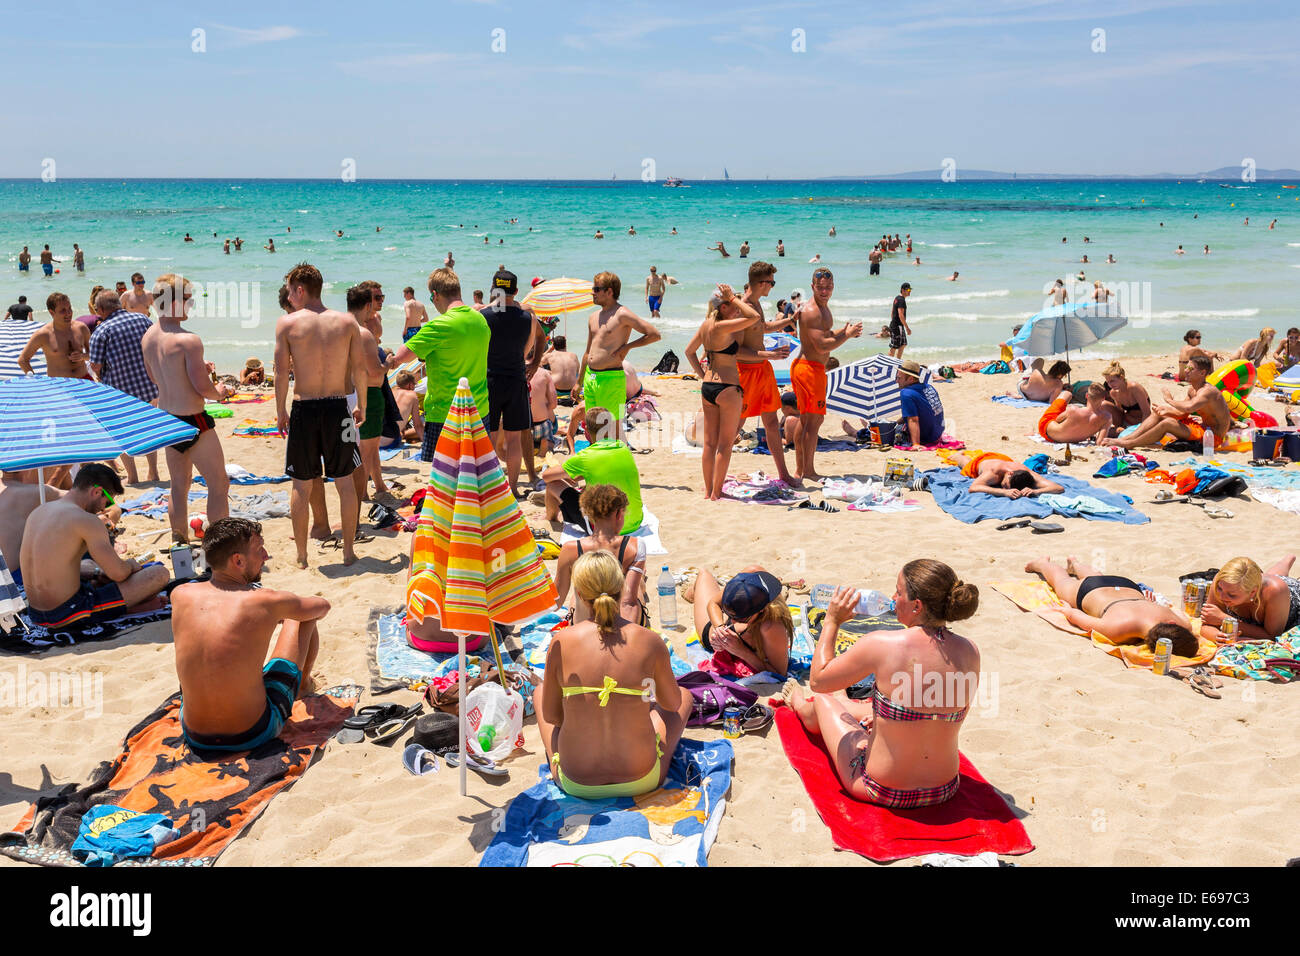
(996, 474)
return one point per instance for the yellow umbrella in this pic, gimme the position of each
(556, 297)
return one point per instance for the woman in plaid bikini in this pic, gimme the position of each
(899, 748)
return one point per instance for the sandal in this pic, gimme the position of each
(1018, 523)
(1045, 527)
(821, 506)
(1215, 511)
(756, 718)
(386, 730)
(420, 761)
(473, 761)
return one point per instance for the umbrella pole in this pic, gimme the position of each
(40, 478)
(464, 771)
(496, 653)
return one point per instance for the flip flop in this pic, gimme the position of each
(1018, 523)
(756, 718)
(1215, 511)
(389, 729)
(823, 506)
(364, 715)
(420, 761)
(349, 735)
(473, 761)
(1045, 527)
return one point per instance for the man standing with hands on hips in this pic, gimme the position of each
(808, 371)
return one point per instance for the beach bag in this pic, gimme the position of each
(494, 721)
(668, 365)
(712, 695)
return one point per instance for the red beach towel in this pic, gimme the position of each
(976, 820)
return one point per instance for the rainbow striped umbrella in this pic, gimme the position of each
(558, 296)
(473, 561)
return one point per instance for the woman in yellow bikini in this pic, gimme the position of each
(608, 702)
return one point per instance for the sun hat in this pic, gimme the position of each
(911, 368)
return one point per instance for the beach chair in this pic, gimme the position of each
(12, 602)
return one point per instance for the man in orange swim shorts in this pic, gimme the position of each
(808, 371)
(996, 474)
(757, 380)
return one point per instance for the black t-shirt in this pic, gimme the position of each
(21, 311)
(510, 327)
(899, 311)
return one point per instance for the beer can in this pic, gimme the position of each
(731, 716)
(1164, 650)
(1230, 627)
(1191, 598)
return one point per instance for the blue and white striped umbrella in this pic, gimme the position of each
(14, 336)
(1070, 326)
(867, 388)
(65, 421)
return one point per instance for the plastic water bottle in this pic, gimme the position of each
(872, 603)
(1207, 444)
(667, 598)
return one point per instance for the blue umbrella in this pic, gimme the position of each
(14, 336)
(867, 388)
(1070, 326)
(65, 421)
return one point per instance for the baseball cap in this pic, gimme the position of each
(911, 368)
(537, 280)
(507, 280)
(748, 593)
(904, 287)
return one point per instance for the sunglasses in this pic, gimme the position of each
(822, 274)
(139, 282)
(107, 496)
(598, 288)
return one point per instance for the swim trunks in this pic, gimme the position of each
(508, 403)
(978, 457)
(758, 382)
(90, 605)
(1197, 429)
(653, 301)
(24, 267)
(809, 381)
(1053, 410)
(897, 337)
(373, 426)
(407, 333)
(47, 268)
(281, 678)
(605, 388)
(321, 430)
(544, 431)
(202, 421)
(875, 269)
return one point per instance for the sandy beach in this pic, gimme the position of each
(1101, 761)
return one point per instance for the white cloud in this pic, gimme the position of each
(246, 37)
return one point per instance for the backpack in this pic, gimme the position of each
(713, 694)
(668, 365)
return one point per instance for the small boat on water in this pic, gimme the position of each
(674, 181)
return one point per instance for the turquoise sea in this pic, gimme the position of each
(1003, 237)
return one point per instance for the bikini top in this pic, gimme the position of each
(731, 349)
(886, 709)
(610, 686)
(622, 547)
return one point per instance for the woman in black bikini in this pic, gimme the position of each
(1113, 605)
(606, 508)
(723, 400)
(1129, 404)
(745, 624)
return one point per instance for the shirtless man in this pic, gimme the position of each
(1058, 293)
(416, 315)
(47, 261)
(996, 474)
(655, 286)
(60, 590)
(136, 299)
(1039, 386)
(758, 385)
(365, 301)
(542, 400)
(24, 260)
(563, 366)
(600, 376)
(409, 405)
(230, 701)
(808, 371)
(1064, 423)
(327, 354)
(1114, 606)
(17, 502)
(63, 341)
(173, 357)
(1175, 417)
(78, 258)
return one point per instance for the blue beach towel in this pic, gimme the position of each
(536, 641)
(1016, 402)
(672, 826)
(952, 493)
(823, 444)
(250, 480)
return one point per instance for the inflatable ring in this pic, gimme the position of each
(1236, 377)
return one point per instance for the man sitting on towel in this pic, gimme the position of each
(63, 589)
(922, 409)
(230, 701)
(1178, 419)
(606, 461)
(996, 474)
(1064, 423)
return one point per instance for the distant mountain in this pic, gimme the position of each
(1225, 173)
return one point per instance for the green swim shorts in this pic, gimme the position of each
(373, 426)
(605, 388)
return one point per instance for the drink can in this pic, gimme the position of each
(1230, 627)
(1194, 591)
(731, 715)
(875, 435)
(1164, 650)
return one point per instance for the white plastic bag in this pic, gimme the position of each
(495, 717)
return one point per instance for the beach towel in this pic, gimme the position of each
(648, 532)
(1250, 661)
(976, 820)
(396, 665)
(240, 475)
(672, 826)
(871, 495)
(952, 493)
(210, 802)
(29, 638)
(252, 428)
(996, 367)
(1016, 402)
(682, 447)
(945, 441)
(759, 489)
(823, 444)
(1030, 594)
(392, 451)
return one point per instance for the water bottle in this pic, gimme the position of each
(1207, 443)
(873, 603)
(667, 598)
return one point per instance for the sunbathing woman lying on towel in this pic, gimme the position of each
(608, 701)
(1266, 603)
(900, 748)
(605, 507)
(1113, 605)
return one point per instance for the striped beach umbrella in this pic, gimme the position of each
(558, 296)
(14, 336)
(473, 561)
(66, 421)
(867, 388)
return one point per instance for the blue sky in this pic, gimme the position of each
(590, 89)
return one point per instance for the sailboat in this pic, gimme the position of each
(725, 175)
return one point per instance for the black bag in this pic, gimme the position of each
(668, 365)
